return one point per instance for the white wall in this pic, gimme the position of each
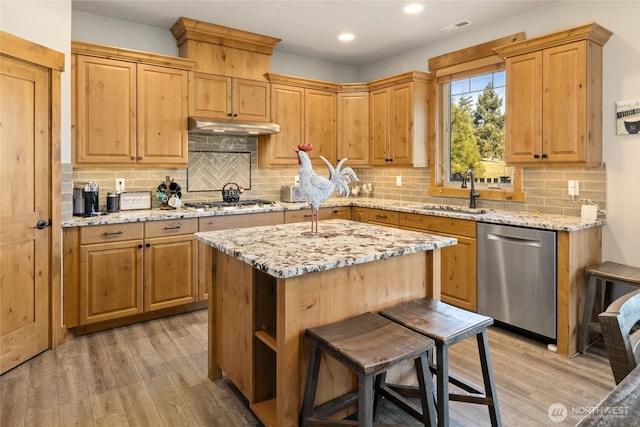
(47, 23)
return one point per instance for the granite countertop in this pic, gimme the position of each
(522, 219)
(284, 251)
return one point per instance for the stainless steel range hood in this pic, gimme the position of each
(234, 127)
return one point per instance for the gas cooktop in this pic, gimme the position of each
(205, 205)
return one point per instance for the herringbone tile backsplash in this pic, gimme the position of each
(226, 160)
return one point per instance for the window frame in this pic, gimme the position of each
(466, 62)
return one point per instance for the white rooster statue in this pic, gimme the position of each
(315, 188)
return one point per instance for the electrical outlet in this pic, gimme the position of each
(399, 181)
(119, 185)
(574, 188)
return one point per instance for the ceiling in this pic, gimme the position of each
(310, 28)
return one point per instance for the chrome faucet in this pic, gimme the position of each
(473, 194)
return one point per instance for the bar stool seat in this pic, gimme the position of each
(368, 344)
(448, 325)
(604, 274)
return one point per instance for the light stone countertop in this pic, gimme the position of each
(283, 251)
(522, 219)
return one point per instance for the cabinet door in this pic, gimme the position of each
(110, 281)
(379, 122)
(251, 100)
(459, 273)
(564, 100)
(523, 121)
(287, 110)
(320, 125)
(105, 109)
(210, 96)
(162, 115)
(170, 271)
(353, 128)
(401, 126)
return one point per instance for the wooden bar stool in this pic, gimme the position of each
(604, 274)
(368, 344)
(448, 325)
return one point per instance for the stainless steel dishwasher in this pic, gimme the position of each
(517, 277)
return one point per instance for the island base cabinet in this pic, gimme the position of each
(258, 322)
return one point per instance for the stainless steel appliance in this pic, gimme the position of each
(113, 202)
(517, 277)
(91, 197)
(78, 201)
(291, 193)
(213, 205)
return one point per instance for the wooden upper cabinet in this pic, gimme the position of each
(105, 105)
(353, 128)
(128, 107)
(221, 97)
(162, 115)
(397, 120)
(554, 97)
(305, 116)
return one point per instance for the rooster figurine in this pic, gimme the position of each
(315, 188)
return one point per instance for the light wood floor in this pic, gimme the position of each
(155, 374)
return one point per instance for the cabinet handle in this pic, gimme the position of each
(112, 233)
(545, 156)
(235, 115)
(148, 245)
(536, 156)
(176, 227)
(139, 246)
(228, 114)
(308, 215)
(381, 216)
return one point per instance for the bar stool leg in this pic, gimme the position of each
(487, 375)
(588, 312)
(442, 373)
(365, 400)
(311, 383)
(426, 390)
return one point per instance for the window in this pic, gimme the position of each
(469, 111)
(475, 130)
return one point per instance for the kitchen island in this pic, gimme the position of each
(272, 283)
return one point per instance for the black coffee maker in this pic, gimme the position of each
(90, 194)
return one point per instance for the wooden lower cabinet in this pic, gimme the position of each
(341, 212)
(120, 270)
(458, 265)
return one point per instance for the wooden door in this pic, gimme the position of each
(401, 130)
(105, 98)
(110, 281)
(162, 115)
(170, 271)
(251, 100)
(523, 120)
(379, 123)
(353, 128)
(564, 100)
(320, 125)
(24, 248)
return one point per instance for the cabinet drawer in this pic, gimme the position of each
(170, 227)
(110, 233)
(226, 222)
(461, 227)
(383, 217)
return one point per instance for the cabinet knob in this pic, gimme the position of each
(545, 156)
(148, 245)
(133, 158)
(139, 246)
(536, 156)
(140, 157)
(229, 115)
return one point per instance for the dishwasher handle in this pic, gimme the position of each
(514, 240)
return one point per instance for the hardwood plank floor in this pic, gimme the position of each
(155, 374)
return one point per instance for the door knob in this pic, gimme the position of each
(41, 225)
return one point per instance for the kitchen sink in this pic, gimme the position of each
(448, 208)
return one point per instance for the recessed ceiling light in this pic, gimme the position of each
(413, 8)
(346, 37)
